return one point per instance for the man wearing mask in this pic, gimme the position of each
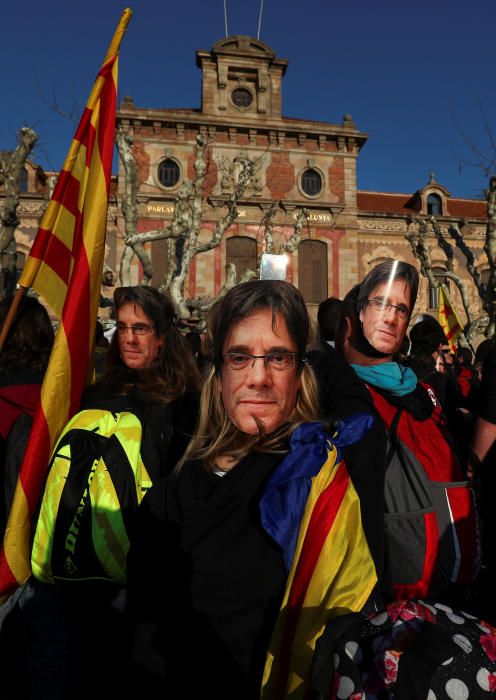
(430, 514)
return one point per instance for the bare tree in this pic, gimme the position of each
(129, 208)
(185, 229)
(417, 235)
(11, 166)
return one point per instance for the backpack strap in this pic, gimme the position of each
(392, 433)
(73, 520)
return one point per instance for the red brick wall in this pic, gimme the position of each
(280, 175)
(336, 178)
(142, 161)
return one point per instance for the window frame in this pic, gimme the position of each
(161, 164)
(434, 198)
(242, 89)
(319, 173)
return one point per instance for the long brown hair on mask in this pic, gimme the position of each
(174, 371)
(216, 434)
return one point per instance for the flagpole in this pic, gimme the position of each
(10, 316)
(64, 266)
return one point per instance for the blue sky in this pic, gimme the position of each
(407, 73)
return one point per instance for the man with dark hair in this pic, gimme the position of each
(426, 357)
(328, 316)
(216, 548)
(372, 329)
(134, 424)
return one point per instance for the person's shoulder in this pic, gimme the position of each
(328, 363)
(190, 399)
(185, 409)
(21, 376)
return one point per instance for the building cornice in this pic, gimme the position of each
(344, 135)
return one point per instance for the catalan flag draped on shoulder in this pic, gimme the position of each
(65, 268)
(310, 507)
(448, 318)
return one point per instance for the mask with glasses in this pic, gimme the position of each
(278, 361)
(382, 305)
(137, 328)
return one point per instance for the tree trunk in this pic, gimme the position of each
(490, 250)
(129, 210)
(11, 165)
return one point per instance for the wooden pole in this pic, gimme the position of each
(10, 316)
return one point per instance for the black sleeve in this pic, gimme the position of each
(184, 416)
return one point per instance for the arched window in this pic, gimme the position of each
(23, 180)
(242, 252)
(434, 205)
(312, 271)
(433, 300)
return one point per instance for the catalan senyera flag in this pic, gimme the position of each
(311, 508)
(65, 267)
(448, 318)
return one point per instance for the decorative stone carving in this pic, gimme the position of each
(263, 81)
(378, 253)
(31, 208)
(382, 225)
(222, 84)
(230, 169)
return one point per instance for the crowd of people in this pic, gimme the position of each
(264, 514)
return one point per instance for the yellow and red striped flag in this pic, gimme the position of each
(331, 572)
(448, 319)
(65, 267)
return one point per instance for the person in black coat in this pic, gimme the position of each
(23, 362)
(149, 371)
(206, 579)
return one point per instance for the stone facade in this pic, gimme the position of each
(303, 163)
(383, 222)
(240, 116)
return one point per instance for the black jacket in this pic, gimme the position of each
(205, 583)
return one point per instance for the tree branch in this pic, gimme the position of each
(129, 208)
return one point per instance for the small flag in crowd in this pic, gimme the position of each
(65, 268)
(448, 319)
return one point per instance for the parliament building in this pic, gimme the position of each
(301, 164)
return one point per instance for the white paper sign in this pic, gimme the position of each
(273, 267)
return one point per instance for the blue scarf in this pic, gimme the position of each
(285, 495)
(391, 376)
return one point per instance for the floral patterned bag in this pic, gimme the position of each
(414, 650)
